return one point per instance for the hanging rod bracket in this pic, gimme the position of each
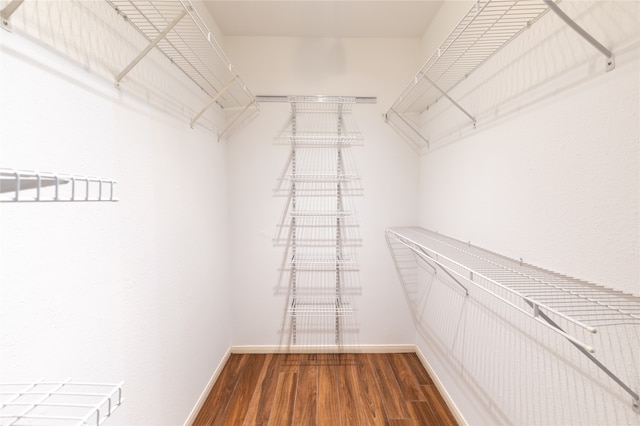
(611, 60)
(151, 45)
(7, 11)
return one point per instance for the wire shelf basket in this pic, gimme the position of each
(22, 186)
(58, 403)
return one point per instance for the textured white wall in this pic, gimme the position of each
(551, 174)
(134, 291)
(389, 171)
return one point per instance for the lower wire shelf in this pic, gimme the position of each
(572, 308)
(58, 403)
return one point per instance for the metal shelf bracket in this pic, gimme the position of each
(457, 105)
(151, 45)
(211, 102)
(7, 11)
(611, 61)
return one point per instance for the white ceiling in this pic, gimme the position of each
(323, 18)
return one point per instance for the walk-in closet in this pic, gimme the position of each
(394, 212)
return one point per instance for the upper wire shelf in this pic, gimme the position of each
(189, 44)
(58, 403)
(485, 30)
(20, 185)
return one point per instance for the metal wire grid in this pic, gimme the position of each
(329, 104)
(572, 301)
(317, 128)
(22, 185)
(189, 45)
(58, 403)
(322, 263)
(320, 306)
(484, 30)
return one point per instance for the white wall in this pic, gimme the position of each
(389, 171)
(551, 175)
(134, 291)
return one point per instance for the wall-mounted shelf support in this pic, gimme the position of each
(446, 95)
(235, 119)
(7, 11)
(611, 61)
(413, 132)
(211, 102)
(149, 47)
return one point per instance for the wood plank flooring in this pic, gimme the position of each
(324, 389)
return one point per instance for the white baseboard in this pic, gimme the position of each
(207, 389)
(301, 349)
(445, 395)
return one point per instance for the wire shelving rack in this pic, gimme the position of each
(319, 224)
(576, 310)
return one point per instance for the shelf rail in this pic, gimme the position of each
(544, 296)
(82, 188)
(486, 29)
(65, 402)
(189, 45)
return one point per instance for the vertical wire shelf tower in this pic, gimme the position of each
(321, 178)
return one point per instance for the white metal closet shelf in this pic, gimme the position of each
(564, 305)
(58, 403)
(486, 28)
(189, 44)
(21, 185)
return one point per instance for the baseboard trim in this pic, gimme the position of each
(445, 395)
(264, 349)
(207, 389)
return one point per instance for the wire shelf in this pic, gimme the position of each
(317, 140)
(320, 307)
(189, 44)
(320, 178)
(322, 263)
(584, 304)
(21, 186)
(319, 213)
(58, 403)
(486, 28)
(577, 310)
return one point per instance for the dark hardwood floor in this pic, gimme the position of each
(324, 389)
